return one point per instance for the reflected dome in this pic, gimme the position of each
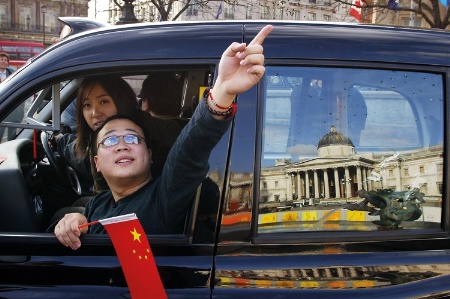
(335, 144)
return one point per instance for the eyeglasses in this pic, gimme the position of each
(115, 139)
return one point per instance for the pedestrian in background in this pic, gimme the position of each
(17, 115)
(5, 70)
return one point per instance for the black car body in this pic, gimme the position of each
(292, 220)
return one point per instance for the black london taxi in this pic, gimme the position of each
(332, 181)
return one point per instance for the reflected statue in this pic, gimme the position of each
(393, 207)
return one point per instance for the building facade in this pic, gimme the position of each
(306, 10)
(31, 20)
(27, 20)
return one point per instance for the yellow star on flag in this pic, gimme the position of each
(136, 235)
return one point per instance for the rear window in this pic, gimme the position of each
(351, 150)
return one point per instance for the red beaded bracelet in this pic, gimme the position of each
(231, 110)
(214, 102)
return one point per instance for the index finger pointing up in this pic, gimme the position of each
(261, 36)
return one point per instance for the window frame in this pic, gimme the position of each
(125, 68)
(343, 236)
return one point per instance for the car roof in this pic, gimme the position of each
(300, 40)
(136, 45)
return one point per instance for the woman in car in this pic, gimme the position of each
(98, 98)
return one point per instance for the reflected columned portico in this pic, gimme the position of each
(336, 173)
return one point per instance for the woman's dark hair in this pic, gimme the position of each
(163, 91)
(122, 95)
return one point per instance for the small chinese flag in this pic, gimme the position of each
(135, 256)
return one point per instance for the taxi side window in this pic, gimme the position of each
(351, 150)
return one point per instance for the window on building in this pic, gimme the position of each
(421, 170)
(280, 13)
(25, 20)
(229, 10)
(327, 124)
(440, 187)
(327, 18)
(265, 12)
(311, 16)
(416, 22)
(192, 9)
(297, 15)
(3, 16)
(249, 11)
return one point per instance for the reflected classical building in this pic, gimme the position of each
(351, 277)
(338, 172)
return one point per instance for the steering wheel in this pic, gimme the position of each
(62, 170)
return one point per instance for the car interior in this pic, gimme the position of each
(389, 124)
(45, 186)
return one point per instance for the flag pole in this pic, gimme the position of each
(88, 224)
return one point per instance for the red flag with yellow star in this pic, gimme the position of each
(135, 256)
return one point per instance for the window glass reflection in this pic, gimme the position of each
(351, 149)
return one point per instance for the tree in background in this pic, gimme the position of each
(164, 7)
(436, 13)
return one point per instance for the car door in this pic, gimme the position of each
(335, 182)
(32, 262)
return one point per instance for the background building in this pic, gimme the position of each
(307, 10)
(37, 20)
(304, 10)
(29, 20)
